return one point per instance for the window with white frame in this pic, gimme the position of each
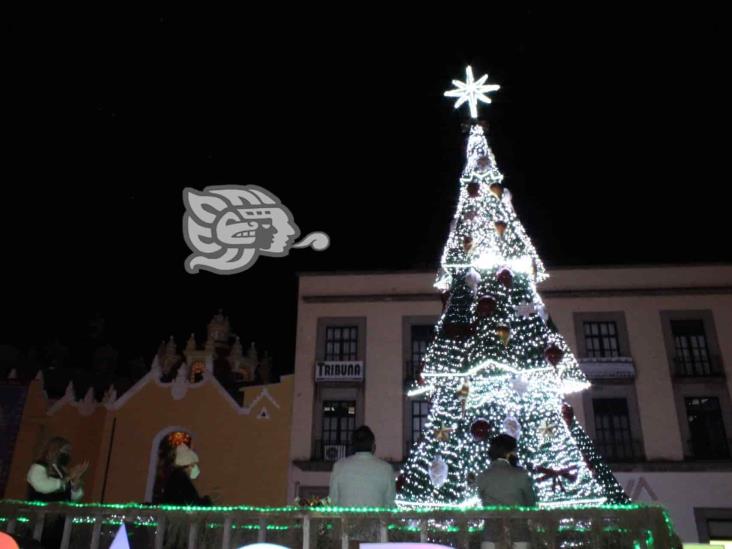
(613, 436)
(338, 424)
(601, 339)
(341, 343)
(420, 412)
(708, 439)
(691, 350)
(419, 340)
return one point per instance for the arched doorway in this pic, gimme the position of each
(162, 456)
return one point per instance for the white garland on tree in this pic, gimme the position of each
(517, 387)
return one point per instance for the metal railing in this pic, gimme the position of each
(94, 526)
(608, 368)
(324, 450)
(713, 449)
(698, 367)
(621, 450)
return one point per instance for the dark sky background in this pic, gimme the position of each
(611, 128)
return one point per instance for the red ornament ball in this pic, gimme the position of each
(480, 429)
(486, 306)
(483, 163)
(500, 227)
(497, 189)
(505, 277)
(473, 189)
(553, 354)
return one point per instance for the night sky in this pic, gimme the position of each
(611, 130)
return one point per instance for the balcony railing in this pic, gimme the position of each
(324, 450)
(621, 450)
(695, 367)
(94, 526)
(608, 368)
(712, 449)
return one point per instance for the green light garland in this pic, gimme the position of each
(324, 510)
(145, 516)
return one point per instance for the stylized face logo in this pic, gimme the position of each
(227, 227)
(268, 229)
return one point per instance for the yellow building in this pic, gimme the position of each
(243, 448)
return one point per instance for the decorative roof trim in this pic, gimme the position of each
(550, 294)
(87, 407)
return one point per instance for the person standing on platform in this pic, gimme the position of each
(51, 478)
(179, 488)
(363, 480)
(505, 483)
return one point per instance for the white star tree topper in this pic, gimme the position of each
(471, 91)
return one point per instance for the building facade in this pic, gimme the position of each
(208, 397)
(654, 341)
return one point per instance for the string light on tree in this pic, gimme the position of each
(496, 364)
(438, 472)
(520, 385)
(443, 434)
(526, 309)
(547, 430)
(125, 509)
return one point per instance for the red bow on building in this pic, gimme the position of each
(557, 475)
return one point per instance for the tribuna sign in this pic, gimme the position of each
(336, 370)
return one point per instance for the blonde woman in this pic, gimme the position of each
(51, 478)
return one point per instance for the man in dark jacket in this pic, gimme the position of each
(504, 483)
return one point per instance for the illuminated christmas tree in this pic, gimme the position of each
(496, 363)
